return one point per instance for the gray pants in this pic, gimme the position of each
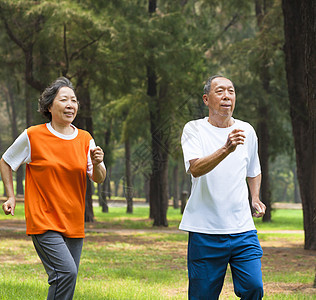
(60, 256)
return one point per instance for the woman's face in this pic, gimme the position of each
(64, 107)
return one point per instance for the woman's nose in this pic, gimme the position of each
(69, 103)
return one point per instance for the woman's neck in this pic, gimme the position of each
(65, 129)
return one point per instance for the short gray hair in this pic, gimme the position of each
(46, 99)
(207, 86)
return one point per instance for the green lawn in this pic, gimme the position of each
(151, 264)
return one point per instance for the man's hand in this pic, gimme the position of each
(9, 206)
(259, 208)
(96, 155)
(235, 138)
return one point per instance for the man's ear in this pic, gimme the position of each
(205, 99)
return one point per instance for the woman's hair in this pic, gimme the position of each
(46, 99)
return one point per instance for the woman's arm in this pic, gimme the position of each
(6, 175)
(99, 172)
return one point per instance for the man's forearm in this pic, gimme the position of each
(202, 166)
(254, 186)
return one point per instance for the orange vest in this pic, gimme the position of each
(55, 182)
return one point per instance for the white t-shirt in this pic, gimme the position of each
(20, 151)
(218, 203)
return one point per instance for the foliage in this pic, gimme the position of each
(108, 44)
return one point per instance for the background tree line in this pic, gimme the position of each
(138, 67)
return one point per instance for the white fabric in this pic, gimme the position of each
(218, 203)
(20, 151)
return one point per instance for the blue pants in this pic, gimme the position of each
(60, 256)
(208, 257)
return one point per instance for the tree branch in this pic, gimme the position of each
(65, 70)
(77, 53)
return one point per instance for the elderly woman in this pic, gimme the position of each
(58, 156)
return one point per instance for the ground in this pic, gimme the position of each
(279, 254)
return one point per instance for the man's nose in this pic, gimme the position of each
(226, 94)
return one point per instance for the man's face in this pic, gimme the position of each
(222, 97)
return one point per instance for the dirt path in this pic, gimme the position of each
(281, 255)
(19, 225)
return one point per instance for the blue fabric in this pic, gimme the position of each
(208, 257)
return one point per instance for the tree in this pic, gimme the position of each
(300, 54)
(262, 8)
(74, 30)
(158, 192)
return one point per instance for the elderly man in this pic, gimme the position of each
(220, 153)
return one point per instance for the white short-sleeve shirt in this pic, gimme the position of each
(219, 203)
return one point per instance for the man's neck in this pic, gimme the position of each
(220, 121)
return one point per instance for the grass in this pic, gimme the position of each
(151, 264)
(282, 219)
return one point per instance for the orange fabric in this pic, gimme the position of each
(55, 182)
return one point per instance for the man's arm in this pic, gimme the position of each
(6, 175)
(254, 187)
(202, 166)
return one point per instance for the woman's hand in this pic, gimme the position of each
(96, 155)
(9, 206)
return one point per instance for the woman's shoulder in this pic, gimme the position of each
(84, 134)
(35, 128)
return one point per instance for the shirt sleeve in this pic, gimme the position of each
(254, 168)
(92, 145)
(19, 152)
(191, 145)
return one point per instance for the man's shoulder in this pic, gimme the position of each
(194, 123)
(243, 124)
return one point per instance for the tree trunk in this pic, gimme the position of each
(84, 121)
(300, 59)
(146, 188)
(89, 216)
(158, 192)
(128, 175)
(176, 186)
(297, 196)
(159, 187)
(104, 201)
(13, 119)
(263, 126)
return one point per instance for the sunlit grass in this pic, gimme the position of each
(146, 264)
